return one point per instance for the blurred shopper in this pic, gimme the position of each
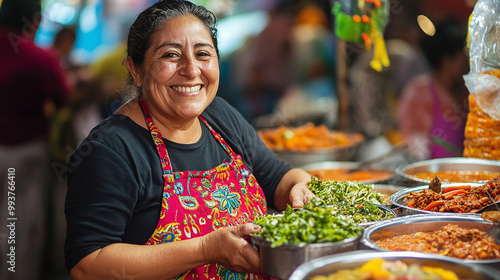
(433, 107)
(264, 69)
(311, 94)
(62, 45)
(30, 79)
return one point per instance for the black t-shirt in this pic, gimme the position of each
(115, 178)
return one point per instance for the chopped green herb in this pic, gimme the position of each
(344, 192)
(311, 224)
(350, 199)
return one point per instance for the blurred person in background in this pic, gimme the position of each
(310, 95)
(62, 45)
(264, 66)
(32, 87)
(167, 186)
(432, 109)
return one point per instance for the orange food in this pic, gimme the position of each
(451, 240)
(466, 199)
(458, 175)
(307, 137)
(344, 175)
(454, 188)
(482, 132)
(434, 204)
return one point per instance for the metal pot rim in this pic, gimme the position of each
(423, 218)
(395, 198)
(365, 255)
(400, 170)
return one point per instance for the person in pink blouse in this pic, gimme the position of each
(432, 109)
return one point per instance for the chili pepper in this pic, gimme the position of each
(434, 204)
(453, 188)
(451, 194)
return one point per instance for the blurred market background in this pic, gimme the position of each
(281, 65)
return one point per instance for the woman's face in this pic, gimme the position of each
(180, 73)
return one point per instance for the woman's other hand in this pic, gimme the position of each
(293, 190)
(300, 194)
(228, 247)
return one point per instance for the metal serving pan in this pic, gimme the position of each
(398, 197)
(351, 260)
(279, 262)
(300, 158)
(416, 223)
(347, 165)
(444, 164)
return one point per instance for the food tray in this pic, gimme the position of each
(416, 223)
(397, 200)
(281, 261)
(300, 158)
(326, 265)
(347, 165)
(444, 164)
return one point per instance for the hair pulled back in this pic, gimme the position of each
(147, 23)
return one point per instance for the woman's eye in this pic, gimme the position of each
(168, 55)
(203, 54)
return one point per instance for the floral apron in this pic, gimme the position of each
(195, 203)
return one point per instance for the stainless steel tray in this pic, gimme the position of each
(398, 197)
(351, 260)
(416, 223)
(300, 158)
(281, 261)
(444, 164)
(344, 165)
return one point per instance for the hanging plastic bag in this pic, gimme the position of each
(482, 131)
(483, 80)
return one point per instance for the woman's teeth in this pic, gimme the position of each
(187, 89)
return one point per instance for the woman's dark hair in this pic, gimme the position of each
(449, 39)
(148, 21)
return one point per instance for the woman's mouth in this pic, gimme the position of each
(187, 89)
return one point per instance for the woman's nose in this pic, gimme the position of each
(189, 67)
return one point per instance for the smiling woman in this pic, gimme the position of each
(175, 167)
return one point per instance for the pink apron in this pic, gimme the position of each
(447, 137)
(198, 202)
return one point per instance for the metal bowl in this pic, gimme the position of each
(397, 200)
(300, 158)
(281, 261)
(444, 164)
(352, 260)
(424, 223)
(347, 165)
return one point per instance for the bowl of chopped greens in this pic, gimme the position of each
(353, 200)
(345, 192)
(296, 236)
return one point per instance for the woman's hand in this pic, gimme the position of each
(227, 247)
(293, 190)
(300, 194)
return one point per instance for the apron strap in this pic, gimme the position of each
(166, 166)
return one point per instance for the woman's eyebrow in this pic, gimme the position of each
(177, 45)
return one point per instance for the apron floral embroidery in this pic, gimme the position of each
(198, 202)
